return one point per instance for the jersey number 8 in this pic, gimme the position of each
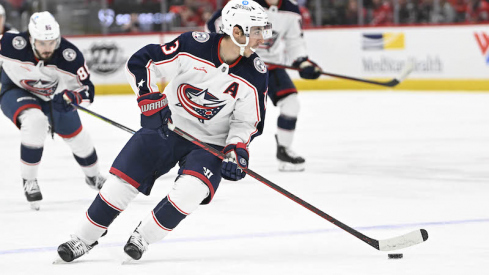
(82, 73)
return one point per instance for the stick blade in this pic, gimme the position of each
(406, 71)
(406, 240)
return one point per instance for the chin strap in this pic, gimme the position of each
(241, 46)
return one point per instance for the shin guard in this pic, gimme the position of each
(187, 194)
(113, 198)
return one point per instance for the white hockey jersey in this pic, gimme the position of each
(287, 43)
(64, 70)
(215, 102)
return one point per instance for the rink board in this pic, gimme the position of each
(444, 57)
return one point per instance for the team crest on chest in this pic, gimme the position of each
(69, 54)
(198, 102)
(40, 87)
(260, 65)
(19, 42)
(200, 36)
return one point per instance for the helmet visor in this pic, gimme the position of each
(264, 32)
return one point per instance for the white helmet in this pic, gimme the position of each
(2, 14)
(246, 14)
(43, 26)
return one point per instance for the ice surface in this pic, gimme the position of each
(383, 162)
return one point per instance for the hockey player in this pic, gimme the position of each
(217, 94)
(287, 43)
(42, 72)
(5, 27)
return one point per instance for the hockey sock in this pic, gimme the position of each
(88, 164)
(186, 195)
(286, 130)
(102, 213)
(109, 203)
(84, 152)
(30, 159)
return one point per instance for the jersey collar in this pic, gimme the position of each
(219, 56)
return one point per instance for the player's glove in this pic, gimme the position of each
(62, 101)
(237, 157)
(155, 112)
(307, 68)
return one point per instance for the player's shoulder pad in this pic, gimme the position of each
(195, 38)
(290, 5)
(14, 45)
(69, 52)
(197, 43)
(15, 41)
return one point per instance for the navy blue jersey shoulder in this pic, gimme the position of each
(289, 6)
(211, 23)
(67, 57)
(17, 46)
(201, 44)
(249, 70)
(283, 5)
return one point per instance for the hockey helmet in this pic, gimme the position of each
(246, 14)
(43, 26)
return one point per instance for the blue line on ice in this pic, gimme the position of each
(262, 235)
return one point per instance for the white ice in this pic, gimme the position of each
(382, 162)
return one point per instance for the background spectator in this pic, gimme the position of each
(351, 13)
(382, 13)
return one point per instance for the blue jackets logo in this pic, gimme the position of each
(199, 103)
(40, 87)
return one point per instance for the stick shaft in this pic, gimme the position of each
(372, 242)
(391, 83)
(104, 119)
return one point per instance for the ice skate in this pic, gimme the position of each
(74, 249)
(289, 161)
(136, 245)
(32, 193)
(96, 182)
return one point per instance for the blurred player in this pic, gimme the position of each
(287, 43)
(5, 27)
(217, 94)
(42, 72)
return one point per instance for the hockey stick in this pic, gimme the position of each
(103, 118)
(403, 241)
(391, 83)
(400, 242)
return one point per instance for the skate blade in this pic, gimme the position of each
(35, 205)
(58, 260)
(128, 260)
(290, 167)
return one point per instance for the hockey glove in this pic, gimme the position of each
(307, 68)
(62, 101)
(236, 159)
(155, 112)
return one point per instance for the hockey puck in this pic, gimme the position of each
(395, 256)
